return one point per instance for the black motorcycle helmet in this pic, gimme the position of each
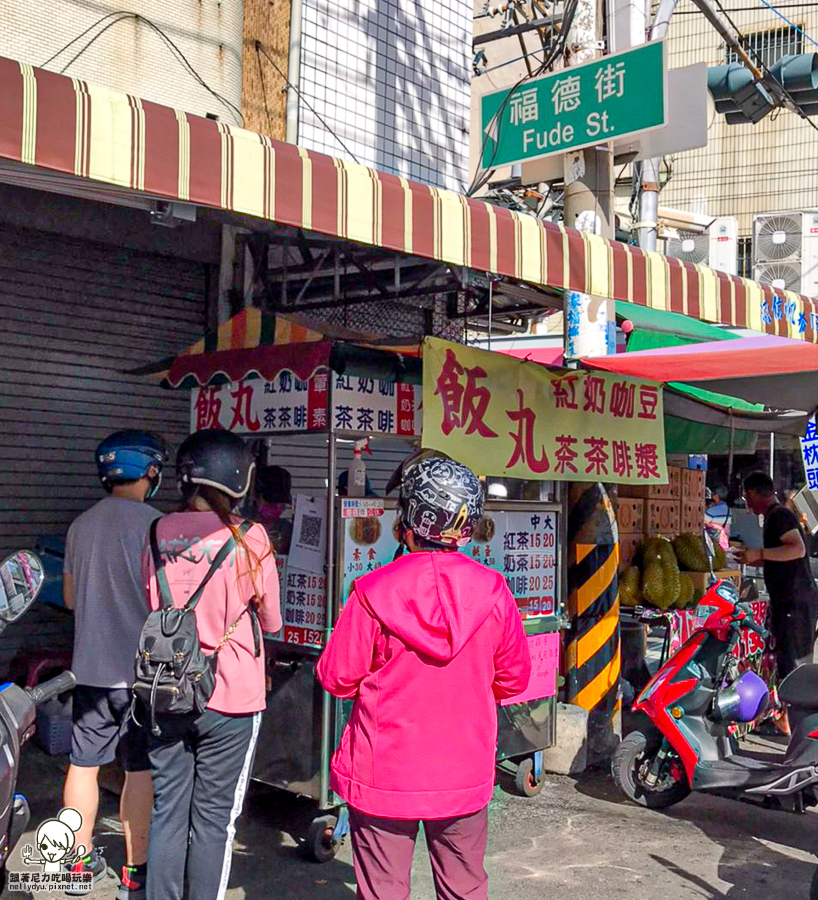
(217, 459)
(440, 501)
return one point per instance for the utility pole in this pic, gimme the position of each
(649, 190)
(592, 641)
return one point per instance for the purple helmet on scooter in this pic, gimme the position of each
(743, 701)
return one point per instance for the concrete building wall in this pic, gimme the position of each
(391, 79)
(744, 169)
(127, 54)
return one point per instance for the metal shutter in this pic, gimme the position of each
(73, 315)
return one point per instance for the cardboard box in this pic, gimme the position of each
(691, 516)
(693, 482)
(662, 517)
(669, 491)
(628, 545)
(630, 515)
(701, 580)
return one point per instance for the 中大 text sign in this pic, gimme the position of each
(578, 107)
(508, 418)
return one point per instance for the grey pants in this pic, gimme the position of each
(383, 848)
(199, 784)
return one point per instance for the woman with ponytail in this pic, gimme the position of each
(201, 765)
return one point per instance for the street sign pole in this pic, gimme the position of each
(592, 534)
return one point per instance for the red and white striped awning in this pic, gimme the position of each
(66, 125)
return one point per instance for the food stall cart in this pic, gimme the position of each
(304, 406)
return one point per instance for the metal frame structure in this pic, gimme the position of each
(292, 271)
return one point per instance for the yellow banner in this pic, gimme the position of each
(509, 418)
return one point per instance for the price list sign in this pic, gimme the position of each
(303, 606)
(523, 547)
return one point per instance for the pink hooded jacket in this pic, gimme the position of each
(427, 646)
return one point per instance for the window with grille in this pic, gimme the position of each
(745, 257)
(770, 46)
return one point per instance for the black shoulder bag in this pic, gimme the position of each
(173, 676)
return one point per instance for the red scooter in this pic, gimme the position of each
(683, 741)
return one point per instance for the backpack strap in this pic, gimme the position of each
(221, 556)
(159, 565)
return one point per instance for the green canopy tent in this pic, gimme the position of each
(654, 329)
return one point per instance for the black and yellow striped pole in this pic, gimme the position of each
(592, 654)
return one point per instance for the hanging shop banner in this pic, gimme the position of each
(521, 545)
(510, 418)
(809, 452)
(287, 403)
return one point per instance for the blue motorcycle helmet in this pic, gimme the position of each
(130, 455)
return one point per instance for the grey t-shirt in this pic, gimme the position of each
(103, 555)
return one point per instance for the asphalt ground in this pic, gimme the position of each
(578, 839)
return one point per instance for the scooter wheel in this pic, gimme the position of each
(631, 760)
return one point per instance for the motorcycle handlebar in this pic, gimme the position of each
(52, 688)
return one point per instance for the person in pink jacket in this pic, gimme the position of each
(426, 646)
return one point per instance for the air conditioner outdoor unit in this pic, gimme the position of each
(785, 250)
(717, 247)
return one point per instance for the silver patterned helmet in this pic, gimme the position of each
(440, 501)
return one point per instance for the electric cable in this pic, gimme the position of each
(261, 49)
(264, 90)
(791, 24)
(121, 16)
(479, 180)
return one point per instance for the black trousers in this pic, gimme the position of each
(794, 629)
(200, 780)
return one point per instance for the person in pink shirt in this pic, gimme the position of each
(201, 766)
(426, 646)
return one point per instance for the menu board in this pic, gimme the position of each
(520, 544)
(303, 606)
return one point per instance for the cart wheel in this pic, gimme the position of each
(525, 783)
(319, 845)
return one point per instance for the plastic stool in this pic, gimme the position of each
(34, 665)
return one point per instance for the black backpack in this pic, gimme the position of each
(173, 675)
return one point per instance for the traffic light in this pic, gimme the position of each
(737, 95)
(744, 100)
(799, 77)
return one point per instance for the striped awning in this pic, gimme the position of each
(67, 125)
(257, 344)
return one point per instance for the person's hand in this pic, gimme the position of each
(750, 557)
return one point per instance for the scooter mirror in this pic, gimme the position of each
(21, 577)
(709, 546)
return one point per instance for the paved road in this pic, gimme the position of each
(577, 840)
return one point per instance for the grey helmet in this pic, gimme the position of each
(440, 501)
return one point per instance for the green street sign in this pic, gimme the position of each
(578, 107)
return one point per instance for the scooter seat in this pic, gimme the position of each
(800, 688)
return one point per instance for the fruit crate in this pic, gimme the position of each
(661, 517)
(630, 515)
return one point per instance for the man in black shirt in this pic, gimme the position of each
(787, 575)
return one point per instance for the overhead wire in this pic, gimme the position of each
(791, 24)
(260, 48)
(479, 180)
(121, 16)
